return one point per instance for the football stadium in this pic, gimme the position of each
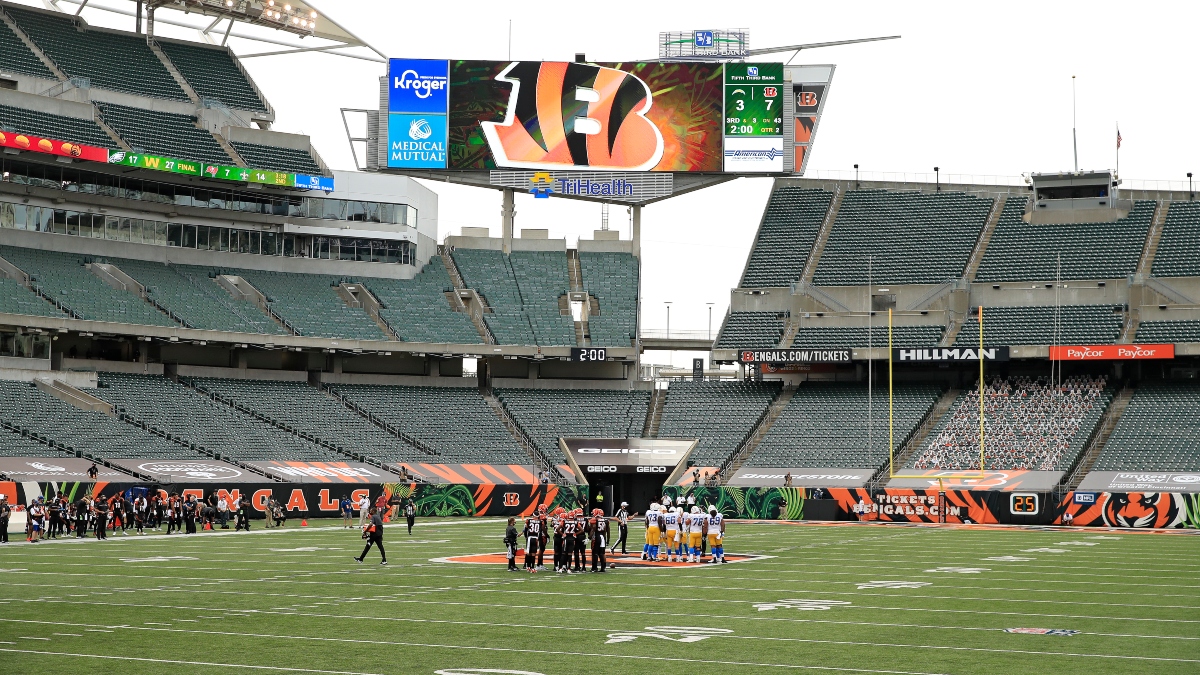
(258, 414)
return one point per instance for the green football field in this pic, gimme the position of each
(845, 598)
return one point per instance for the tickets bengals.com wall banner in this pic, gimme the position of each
(1111, 352)
(315, 500)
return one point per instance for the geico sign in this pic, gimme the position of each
(627, 451)
(652, 469)
(1111, 352)
(602, 469)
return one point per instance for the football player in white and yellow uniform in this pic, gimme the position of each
(671, 527)
(716, 534)
(696, 522)
(653, 522)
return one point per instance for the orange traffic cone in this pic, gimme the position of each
(303, 522)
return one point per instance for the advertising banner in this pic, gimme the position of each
(1004, 481)
(173, 470)
(1136, 481)
(64, 468)
(1111, 352)
(325, 472)
(653, 456)
(950, 354)
(759, 476)
(498, 474)
(809, 88)
(752, 503)
(9, 139)
(754, 117)
(1129, 509)
(795, 355)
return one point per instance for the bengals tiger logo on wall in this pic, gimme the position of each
(574, 115)
(1143, 509)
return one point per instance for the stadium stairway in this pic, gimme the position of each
(746, 448)
(179, 78)
(810, 267)
(540, 460)
(654, 413)
(1087, 459)
(985, 236)
(358, 296)
(914, 443)
(474, 304)
(1153, 238)
(17, 59)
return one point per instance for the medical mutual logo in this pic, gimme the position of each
(416, 141)
(419, 129)
(418, 86)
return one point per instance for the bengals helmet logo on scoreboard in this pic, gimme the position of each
(1141, 509)
(574, 115)
(512, 499)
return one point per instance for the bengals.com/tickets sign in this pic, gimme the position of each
(1111, 352)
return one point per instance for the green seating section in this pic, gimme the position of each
(161, 133)
(313, 412)
(111, 60)
(856, 336)
(911, 237)
(719, 414)
(1028, 424)
(825, 426)
(309, 303)
(418, 311)
(1078, 325)
(612, 278)
(57, 127)
(195, 299)
(545, 415)
(522, 291)
(13, 444)
(1159, 431)
(288, 160)
(213, 73)
(454, 421)
(93, 433)
(203, 422)
(1164, 332)
(1176, 254)
(16, 57)
(789, 227)
(1019, 251)
(16, 299)
(63, 277)
(750, 330)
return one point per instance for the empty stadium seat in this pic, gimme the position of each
(191, 295)
(205, 423)
(545, 415)
(1176, 254)
(273, 158)
(1078, 325)
(417, 309)
(213, 72)
(1168, 332)
(825, 426)
(161, 133)
(856, 336)
(910, 237)
(63, 277)
(789, 227)
(1028, 424)
(58, 127)
(1019, 251)
(1159, 431)
(522, 291)
(16, 299)
(309, 304)
(18, 58)
(750, 330)
(454, 421)
(110, 59)
(611, 278)
(719, 414)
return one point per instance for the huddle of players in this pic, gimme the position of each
(571, 531)
(682, 533)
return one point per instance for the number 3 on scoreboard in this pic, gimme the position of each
(1023, 503)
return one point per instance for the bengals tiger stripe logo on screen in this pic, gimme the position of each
(574, 115)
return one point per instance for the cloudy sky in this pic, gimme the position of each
(978, 88)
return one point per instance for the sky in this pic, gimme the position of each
(979, 88)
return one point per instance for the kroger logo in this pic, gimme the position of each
(418, 86)
(423, 87)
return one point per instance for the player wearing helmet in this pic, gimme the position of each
(533, 536)
(716, 534)
(580, 545)
(671, 528)
(653, 523)
(599, 529)
(556, 524)
(696, 522)
(567, 520)
(545, 535)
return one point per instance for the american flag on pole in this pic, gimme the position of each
(1118, 138)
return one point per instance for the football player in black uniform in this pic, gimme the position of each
(599, 529)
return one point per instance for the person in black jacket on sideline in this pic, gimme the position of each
(510, 543)
(373, 533)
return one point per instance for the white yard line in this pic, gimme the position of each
(186, 663)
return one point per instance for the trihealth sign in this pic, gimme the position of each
(950, 354)
(1111, 352)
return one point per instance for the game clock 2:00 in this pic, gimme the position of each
(589, 354)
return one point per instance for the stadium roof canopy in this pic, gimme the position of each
(301, 18)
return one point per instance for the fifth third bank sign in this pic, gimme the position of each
(418, 104)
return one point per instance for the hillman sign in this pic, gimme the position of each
(950, 354)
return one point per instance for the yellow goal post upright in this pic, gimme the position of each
(976, 475)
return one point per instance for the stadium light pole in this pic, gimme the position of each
(710, 306)
(668, 304)
(856, 183)
(937, 179)
(1191, 194)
